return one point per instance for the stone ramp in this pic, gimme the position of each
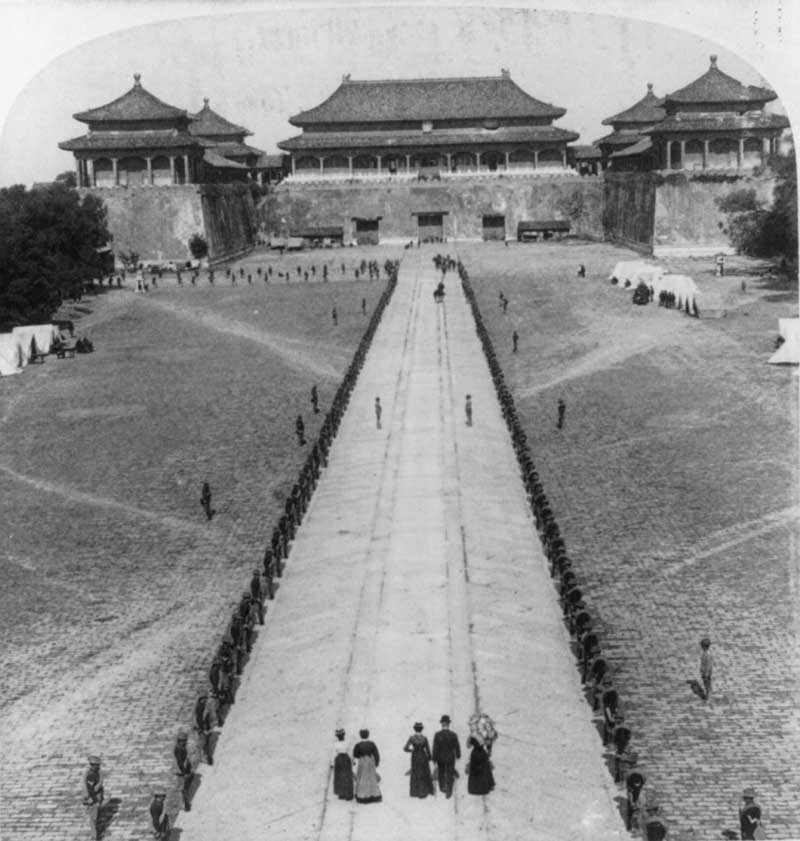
(415, 587)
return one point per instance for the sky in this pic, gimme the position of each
(261, 62)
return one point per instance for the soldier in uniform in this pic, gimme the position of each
(158, 815)
(205, 500)
(300, 429)
(94, 793)
(515, 340)
(335, 315)
(257, 594)
(184, 766)
(314, 399)
(378, 412)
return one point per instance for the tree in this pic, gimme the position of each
(49, 241)
(68, 178)
(198, 246)
(762, 231)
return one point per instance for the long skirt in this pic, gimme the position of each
(421, 783)
(343, 777)
(367, 790)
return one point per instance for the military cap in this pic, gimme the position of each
(94, 760)
(749, 794)
(182, 734)
(159, 793)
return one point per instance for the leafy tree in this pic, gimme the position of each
(198, 246)
(762, 231)
(67, 178)
(49, 241)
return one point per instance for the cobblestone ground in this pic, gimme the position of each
(116, 590)
(675, 484)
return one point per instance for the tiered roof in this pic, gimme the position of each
(714, 86)
(649, 109)
(207, 123)
(137, 104)
(404, 100)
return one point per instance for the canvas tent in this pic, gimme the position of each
(11, 355)
(789, 352)
(36, 338)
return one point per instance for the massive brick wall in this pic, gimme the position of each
(687, 217)
(674, 214)
(629, 205)
(158, 222)
(558, 197)
(230, 218)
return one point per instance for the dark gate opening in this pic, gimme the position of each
(368, 231)
(494, 228)
(431, 227)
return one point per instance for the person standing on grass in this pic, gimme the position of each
(562, 410)
(468, 409)
(205, 500)
(706, 666)
(378, 412)
(515, 340)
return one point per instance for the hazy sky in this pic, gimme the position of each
(259, 63)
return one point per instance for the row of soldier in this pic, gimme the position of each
(239, 637)
(595, 674)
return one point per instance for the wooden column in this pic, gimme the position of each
(683, 154)
(149, 170)
(449, 156)
(478, 160)
(90, 172)
(321, 165)
(740, 154)
(564, 157)
(293, 169)
(379, 158)
(705, 154)
(668, 147)
(508, 159)
(765, 149)
(408, 163)
(536, 159)
(172, 169)
(186, 179)
(350, 164)
(78, 172)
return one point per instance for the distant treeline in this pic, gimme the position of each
(51, 242)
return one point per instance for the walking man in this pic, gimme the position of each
(515, 340)
(468, 409)
(335, 316)
(205, 500)
(562, 410)
(378, 412)
(94, 793)
(184, 766)
(446, 751)
(705, 666)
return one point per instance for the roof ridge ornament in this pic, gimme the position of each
(505, 73)
(714, 61)
(345, 77)
(649, 87)
(137, 80)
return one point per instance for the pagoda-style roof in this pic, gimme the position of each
(649, 109)
(585, 152)
(444, 137)
(716, 86)
(136, 104)
(122, 140)
(233, 148)
(212, 158)
(207, 123)
(403, 100)
(619, 138)
(753, 120)
(642, 145)
(266, 161)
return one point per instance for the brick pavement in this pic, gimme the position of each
(675, 484)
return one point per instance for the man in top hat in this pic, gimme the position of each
(446, 751)
(184, 766)
(705, 666)
(749, 814)
(158, 814)
(93, 799)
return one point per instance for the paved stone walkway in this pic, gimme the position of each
(415, 587)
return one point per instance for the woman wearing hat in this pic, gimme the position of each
(480, 779)
(342, 769)
(367, 759)
(421, 781)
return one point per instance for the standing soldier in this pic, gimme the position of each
(268, 573)
(581, 270)
(562, 409)
(335, 316)
(257, 593)
(94, 793)
(705, 666)
(184, 766)
(363, 306)
(158, 815)
(300, 429)
(314, 399)
(205, 500)
(378, 412)
(468, 409)
(515, 340)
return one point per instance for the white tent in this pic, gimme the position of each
(789, 352)
(11, 355)
(681, 285)
(629, 269)
(36, 338)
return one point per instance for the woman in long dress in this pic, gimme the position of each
(481, 778)
(342, 769)
(367, 759)
(421, 783)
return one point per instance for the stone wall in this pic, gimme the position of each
(687, 219)
(158, 222)
(629, 205)
(465, 201)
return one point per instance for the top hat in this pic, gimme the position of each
(445, 719)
